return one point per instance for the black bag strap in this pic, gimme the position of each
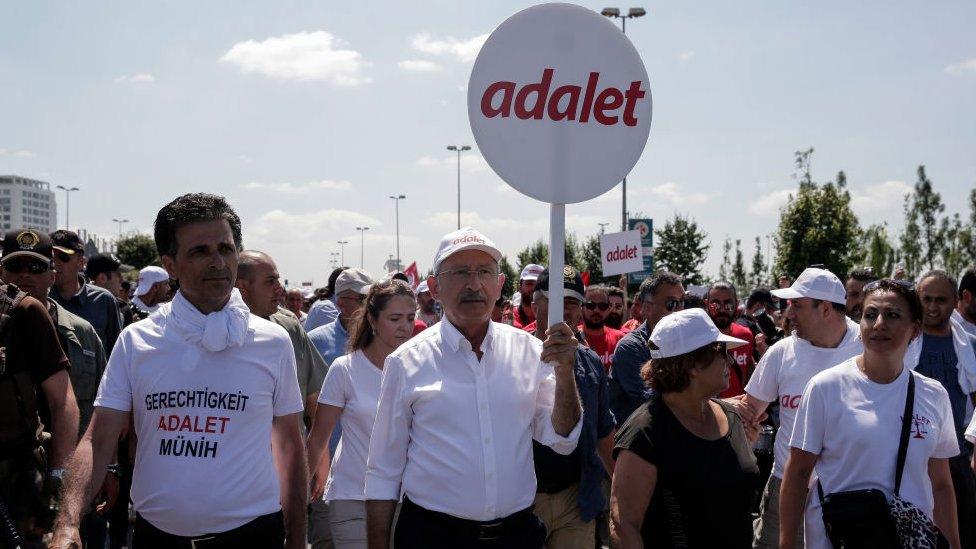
(906, 422)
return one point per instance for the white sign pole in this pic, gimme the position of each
(557, 259)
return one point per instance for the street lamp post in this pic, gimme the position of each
(396, 200)
(459, 149)
(120, 222)
(342, 251)
(362, 244)
(67, 204)
(603, 227)
(632, 13)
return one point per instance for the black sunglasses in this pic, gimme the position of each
(30, 266)
(591, 306)
(672, 304)
(63, 257)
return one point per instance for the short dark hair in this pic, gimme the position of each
(192, 208)
(968, 281)
(673, 373)
(839, 307)
(693, 301)
(863, 275)
(615, 292)
(598, 288)
(939, 274)
(908, 293)
(722, 285)
(330, 288)
(378, 296)
(760, 295)
(651, 284)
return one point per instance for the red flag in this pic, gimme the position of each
(413, 275)
(586, 277)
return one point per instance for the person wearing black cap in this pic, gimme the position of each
(569, 496)
(94, 304)
(105, 270)
(33, 367)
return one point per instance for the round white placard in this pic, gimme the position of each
(559, 103)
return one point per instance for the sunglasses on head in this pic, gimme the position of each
(31, 266)
(590, 305)
(871, 286)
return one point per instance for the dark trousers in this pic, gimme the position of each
(964, 484)
(419, 528)
(264, 531)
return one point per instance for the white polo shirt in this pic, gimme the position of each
(454, 434)
(203, 459)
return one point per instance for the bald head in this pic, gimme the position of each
(258, 281)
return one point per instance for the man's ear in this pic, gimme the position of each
(432, 286)
(170, 266)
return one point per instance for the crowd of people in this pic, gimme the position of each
(205, 405)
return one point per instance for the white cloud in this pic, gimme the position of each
(464, 50)
(22, 153)
(879, 197)
(245, 158)
(303, 56)
(470, 163)
(673, 193)
(141, 78)
(300, 188)
(686, 55)
(418, 65)
(770, 203)
(447, 221)
(962, 66)
(318, 228)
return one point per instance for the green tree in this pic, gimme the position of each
(538, 253)
(928, 206)
(138, 250)
(969, 237)
(511, 277)
(758, 276)
(876, 250)
(954, 254)
(590, 258)
(739, 268)
(725, 269)
(682, 248)
(816, 225)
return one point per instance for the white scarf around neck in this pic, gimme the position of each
(216, 331)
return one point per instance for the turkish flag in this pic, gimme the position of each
(413, 275)
(586, 277)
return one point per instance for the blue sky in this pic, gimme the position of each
(308, 115)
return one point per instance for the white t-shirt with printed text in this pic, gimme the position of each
(783, 373)
(854, 425)
(353, 384)
(203, 420)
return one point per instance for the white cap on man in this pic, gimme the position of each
(815, 283)
(150, 276)
(531, 272)
(684, 331)
(465, 238)
(354, 279)
(422, 287)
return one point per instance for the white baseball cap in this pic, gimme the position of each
(149, 276)
(816, 284)
(354, 279)
(684, 331)
(465, 238)
(422, 287)
(531, 272)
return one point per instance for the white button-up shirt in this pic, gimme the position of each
(454, 434)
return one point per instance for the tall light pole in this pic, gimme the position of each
(459, 149)
(67, 204)
(396, 200)
(342, 251)
(603, 227)
(333, 259)
(120, 222)
(632, 13)
(362, 244)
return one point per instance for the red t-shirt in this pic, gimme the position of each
(530, 327)
(604, 344)
(630, 325)
(518, 319)
(742, 356)
(418, 326)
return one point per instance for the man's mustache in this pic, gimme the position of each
(473, 297)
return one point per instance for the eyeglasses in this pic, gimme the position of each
(63, 257)
(358, 298)
(460, 276)
(590, 306)
(871, 286)
(721, 306)
(673, 305)
(31, 266)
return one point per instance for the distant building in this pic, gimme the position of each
(27, 203)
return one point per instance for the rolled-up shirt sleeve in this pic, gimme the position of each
(542, 429)
(390, 436)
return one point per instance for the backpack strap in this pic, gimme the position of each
(906, 422)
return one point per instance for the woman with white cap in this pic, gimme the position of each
(685, 475)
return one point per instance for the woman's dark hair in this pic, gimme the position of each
(192, 208)
(379, 295)
(899, 287)
(673, 373)
(330, 288)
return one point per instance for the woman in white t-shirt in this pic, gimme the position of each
(350, 391)
(849, 422)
